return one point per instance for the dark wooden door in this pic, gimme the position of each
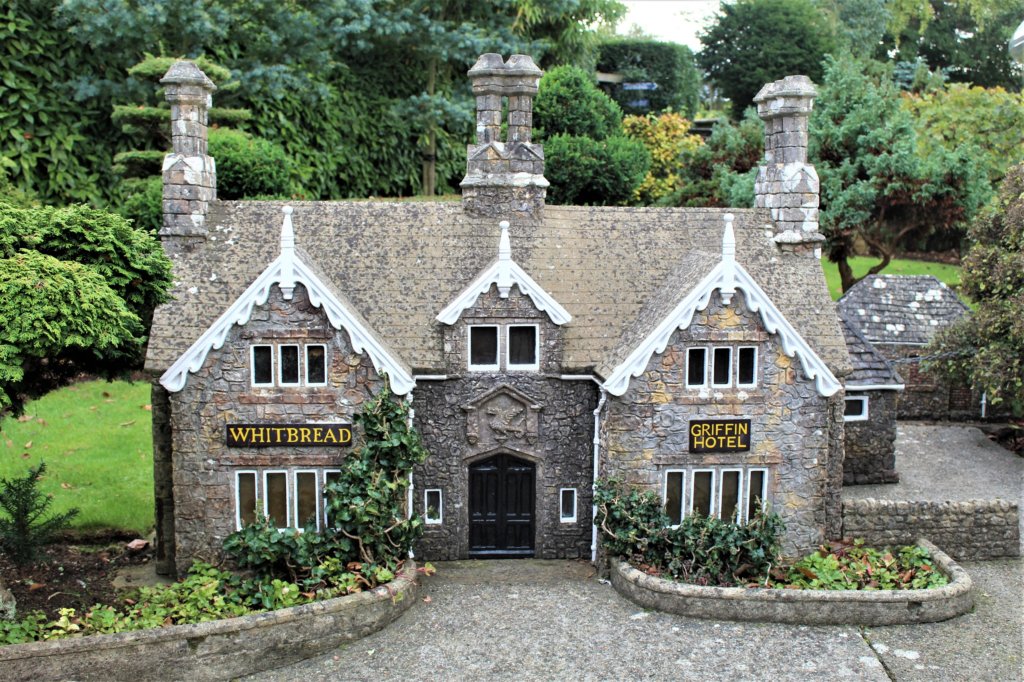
(501, 496)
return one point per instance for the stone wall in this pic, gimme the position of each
(836, 458)
(163, 479)
(871, 444)
(926, 396)
(976, 529)
(645, 432)
(455, 418)
(221, 392)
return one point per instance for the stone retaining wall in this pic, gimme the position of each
(217, 650)
(808, 607)
(976, 529)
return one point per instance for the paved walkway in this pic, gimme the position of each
(537, 620)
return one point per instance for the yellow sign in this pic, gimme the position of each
(723, 435)
(301, 435)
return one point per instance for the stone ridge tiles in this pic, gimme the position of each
(869, 366)
(902, 309)
(400, 263)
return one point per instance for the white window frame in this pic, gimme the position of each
(863, 416)
(712, 364)
(469, 348)
(252, 364)
(280, 365)
(756, 362)
(562, 518)
(294, 510)
(704, 369)
(536, 349)
(287, 496)
(682, 492)
(440, 507)
(763, 492)
(739, 499)
(305, 357)
(238, 500)
(693, 478)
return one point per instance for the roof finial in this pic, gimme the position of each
(728, 260)
(504, 279)
(287, 254)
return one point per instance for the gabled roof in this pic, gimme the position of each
(871, 371)
(400, 264)
(287, 271)
(901, 309)
(504, 272)
(727, 277)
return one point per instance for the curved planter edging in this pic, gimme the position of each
(217, 650)
(807, 607)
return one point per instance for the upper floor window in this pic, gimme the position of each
(288, 365)
(518, 344)
(721, 367)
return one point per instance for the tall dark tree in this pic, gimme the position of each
(754, 42)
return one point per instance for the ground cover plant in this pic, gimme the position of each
(96, 440)
(709, 551)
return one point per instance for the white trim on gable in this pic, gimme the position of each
(504, 272)
(727, 277)
(286, 271)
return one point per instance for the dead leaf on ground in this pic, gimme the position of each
(8, 442)
(128, 423)
(25, 418)
(105, 394)
(147, 408)
(67, 486)
(25, 455)
(36, 586)
(42, 422)
(28, 445)
(94, 408)
(427, 599)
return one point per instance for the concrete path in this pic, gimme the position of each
(549, 620)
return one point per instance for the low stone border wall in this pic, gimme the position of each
(977, 529)
(218, 650)
(809, 607)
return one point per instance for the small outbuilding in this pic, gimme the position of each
(872, 396)
(900, 315)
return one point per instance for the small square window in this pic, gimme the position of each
(522, 347)
(674, 496)
(289, 365)
(316, 365)
(721, 371)
(262, 365)
(432, 511)
(696, 366)
(856, 408)
(567, 505)
(483, 348)
(746, 371)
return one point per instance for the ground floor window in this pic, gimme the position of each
(290, 498)
(567, 504)
(855, 408)
(433, 513)
(732, 493)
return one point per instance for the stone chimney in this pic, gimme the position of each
(189, 173)
(504, 178)
(787, 185)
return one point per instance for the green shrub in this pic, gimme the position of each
(24, 528)
(249, 167)
(700, 550)
(570, 103)
(582, 170)
(142, 203)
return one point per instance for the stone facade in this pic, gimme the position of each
(871, 444)
(221, 393)
(645, 433)
(536, 416)
(972, 530)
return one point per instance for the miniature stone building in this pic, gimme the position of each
(691, 351)
(900, 315)
(872, 396)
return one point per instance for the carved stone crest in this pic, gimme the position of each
(502, 415)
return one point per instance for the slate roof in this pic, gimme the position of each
(399, 264)
(901, 309)
(870, 368)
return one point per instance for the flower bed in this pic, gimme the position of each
(804, 606)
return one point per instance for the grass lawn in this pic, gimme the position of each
(950, 274)
(95, 439)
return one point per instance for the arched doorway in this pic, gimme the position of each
(501, 507)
